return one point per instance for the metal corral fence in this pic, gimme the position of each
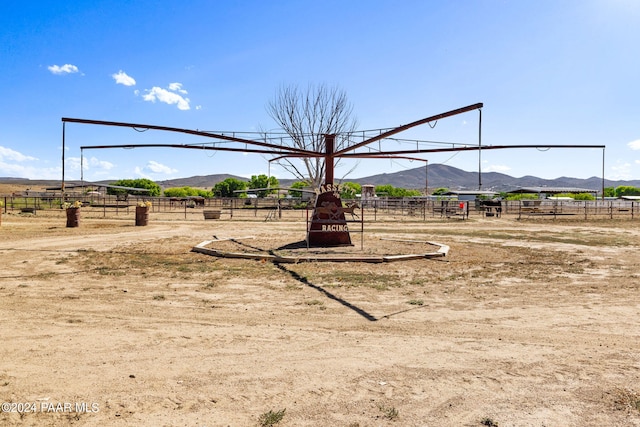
(378, 209)
(518, 209)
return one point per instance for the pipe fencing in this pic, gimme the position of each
(377, 209)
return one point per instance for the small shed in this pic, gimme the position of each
(469, 195)
(544, 192)
(368, 192)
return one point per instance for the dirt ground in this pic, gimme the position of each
(524, 323)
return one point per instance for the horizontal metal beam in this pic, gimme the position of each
(199, 147)
(409, 126)
(189, 132)
(376, 155)
(469, 148)
(387, 156)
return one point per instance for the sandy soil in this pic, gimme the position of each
(523, 324)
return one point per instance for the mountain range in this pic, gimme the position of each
(435, 176)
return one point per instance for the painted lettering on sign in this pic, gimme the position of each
(328, 225)
(334, 227)
(329, 188)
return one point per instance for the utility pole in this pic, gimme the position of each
(63, 148)
(480, 149)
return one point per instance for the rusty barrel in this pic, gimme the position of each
(73, 217)
(142, 215)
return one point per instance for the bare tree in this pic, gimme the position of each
(306, 116)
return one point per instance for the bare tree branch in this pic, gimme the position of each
(306, 116)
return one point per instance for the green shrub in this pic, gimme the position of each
(349, 190)
(522, 196)
(144, 183)
(300, 185)
(271, 418)
(228, 188)
(440, 191)
(627, 190)
(263, 181)
(187, 192)
(391, 191)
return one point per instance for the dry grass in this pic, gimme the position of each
(534, 324)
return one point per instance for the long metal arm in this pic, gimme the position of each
(378, 155)
(386, 156)
(410, 125)
(368, 156)
(190, 132)
(470, 148)
(200, 147)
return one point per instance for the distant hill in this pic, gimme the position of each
(438, 176)
(456, 179)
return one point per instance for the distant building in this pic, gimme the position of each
(466, 195)
(368, 192)
(544, 192)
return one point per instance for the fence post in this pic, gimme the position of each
(610, 210)
(361, 228)
(519, 209)
(375, 210)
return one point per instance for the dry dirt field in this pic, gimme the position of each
(524, 323)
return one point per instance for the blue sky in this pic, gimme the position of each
(547, 71)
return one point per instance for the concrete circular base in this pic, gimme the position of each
(205, 248)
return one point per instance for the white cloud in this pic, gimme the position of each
(156, 167)
(497, 168)
(177, 87)
(168, 96)
(634, 145)
(153, 167)
(139, 172)
(9, 154)
(73, 164)
(96, 164)
(14, 163)
(122, 78)
(622, 170)
(31, 172)
(65, 69)
(101, 164)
